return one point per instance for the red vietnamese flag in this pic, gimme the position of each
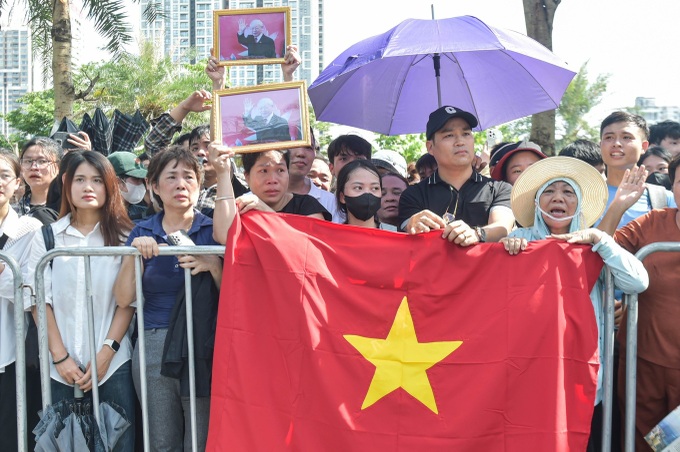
(445, 348)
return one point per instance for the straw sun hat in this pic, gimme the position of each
(593, 188)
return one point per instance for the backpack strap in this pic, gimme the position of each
(657, 196)
(3, 240)
(48, 236)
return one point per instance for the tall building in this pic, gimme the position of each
(187, 25)
(16, 70)
(307, 30)
(185, 29)
(647, 108)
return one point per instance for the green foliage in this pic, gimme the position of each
(409, 146)
(35, 117)
(148, 82)
(581, 96)
(321, 129)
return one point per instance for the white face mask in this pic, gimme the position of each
(568, 218)
(135, 193)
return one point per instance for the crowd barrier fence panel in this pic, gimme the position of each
(20, 362)
(87, 253)
(631, 346)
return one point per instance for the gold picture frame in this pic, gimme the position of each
(262, 118)
(236, 40)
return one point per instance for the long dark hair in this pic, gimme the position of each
(114, 221)
(347, 171)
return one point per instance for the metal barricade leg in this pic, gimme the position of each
(20, 360)
(608, 360)
(192, 367)
(141, 344)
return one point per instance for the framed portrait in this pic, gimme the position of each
(251, 36)
(262, 118)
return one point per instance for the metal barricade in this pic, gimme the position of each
(631, 346)
(608, 362)
(20, 361)
(87, 253)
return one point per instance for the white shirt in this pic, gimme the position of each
(327, 200)
(65, 292)
(20, 233)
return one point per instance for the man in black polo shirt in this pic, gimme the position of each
(469, 207)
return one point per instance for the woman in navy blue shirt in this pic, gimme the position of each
(175, 176)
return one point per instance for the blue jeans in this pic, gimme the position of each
(117, 389)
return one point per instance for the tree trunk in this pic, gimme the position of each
(539, 15)
(61, 59)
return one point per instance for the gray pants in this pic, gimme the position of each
(169, 413)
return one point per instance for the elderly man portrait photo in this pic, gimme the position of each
(259, 45)
(268, 126)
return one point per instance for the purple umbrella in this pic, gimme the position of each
(387, 83)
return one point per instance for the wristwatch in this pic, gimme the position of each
(113, 344)
(481, 234)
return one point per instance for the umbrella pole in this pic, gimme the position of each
(435, 60)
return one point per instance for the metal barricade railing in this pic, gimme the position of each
(631, 346)
(20, 360)
(87, 253)
(608, 362)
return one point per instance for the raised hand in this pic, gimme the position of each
(291, 61)
(631, 187)
(241, 26)
(247, 106)
(219, 156)
(197, 102)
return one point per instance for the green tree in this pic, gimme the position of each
(148, 82)
(581, 96)
(322, 129)
(35, 117)
(539, 16)
(409, 146)
(50, 24)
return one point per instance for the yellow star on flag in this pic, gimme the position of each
(401, 361)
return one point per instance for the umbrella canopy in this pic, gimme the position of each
(127, 130)
(387, 83)
(102, 133)
(69, 425)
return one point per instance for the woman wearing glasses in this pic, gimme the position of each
(39, 167)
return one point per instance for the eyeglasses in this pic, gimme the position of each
(39, 163)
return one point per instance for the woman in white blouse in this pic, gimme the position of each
(15, 238)
(92, 214)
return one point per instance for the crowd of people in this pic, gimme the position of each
(617, 197)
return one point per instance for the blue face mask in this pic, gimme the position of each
(363, 207)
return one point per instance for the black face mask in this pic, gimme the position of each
(364, 206)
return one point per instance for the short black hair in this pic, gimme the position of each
(673, 167)
(426, 161)
(662, 130)
(48, 145)
(249, 160)
(199, 132)
(350, 143)
(184, 137)
(143, 157)
(657, 151)
(624, 116)
(584, 150)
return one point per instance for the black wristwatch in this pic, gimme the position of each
(481, 234)
(115, 346)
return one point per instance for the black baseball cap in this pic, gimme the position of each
(440, 116)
